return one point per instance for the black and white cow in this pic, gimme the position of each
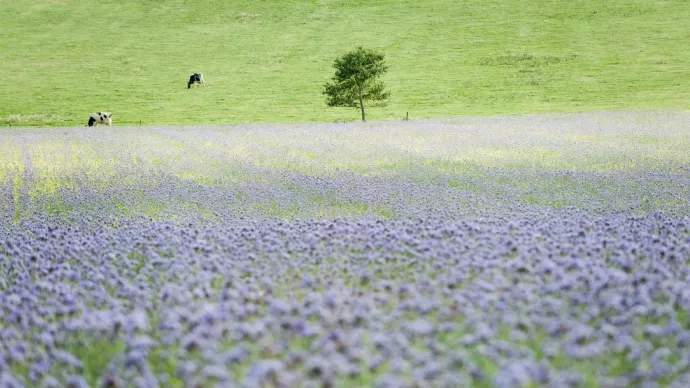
(196, 78)
(100, 117)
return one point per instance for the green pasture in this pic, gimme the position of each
(267, 61)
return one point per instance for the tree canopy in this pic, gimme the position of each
(356, 80)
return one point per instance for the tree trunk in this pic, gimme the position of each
(361, 104)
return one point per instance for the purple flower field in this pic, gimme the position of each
(524, 251)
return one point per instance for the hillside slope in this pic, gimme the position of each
(267, 61)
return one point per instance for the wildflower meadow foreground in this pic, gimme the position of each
(542, 250)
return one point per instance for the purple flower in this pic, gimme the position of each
(76, 382)
(66, 358)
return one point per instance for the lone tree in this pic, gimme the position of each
(355, 80)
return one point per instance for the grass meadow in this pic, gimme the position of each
(529, 226)
(267, 61)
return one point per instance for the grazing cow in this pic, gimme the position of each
(100, 117)
(196, 78)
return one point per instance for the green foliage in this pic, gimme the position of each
(356, 80)
(266, 61)
(96, 354)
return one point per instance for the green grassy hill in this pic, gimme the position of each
(267, 61)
